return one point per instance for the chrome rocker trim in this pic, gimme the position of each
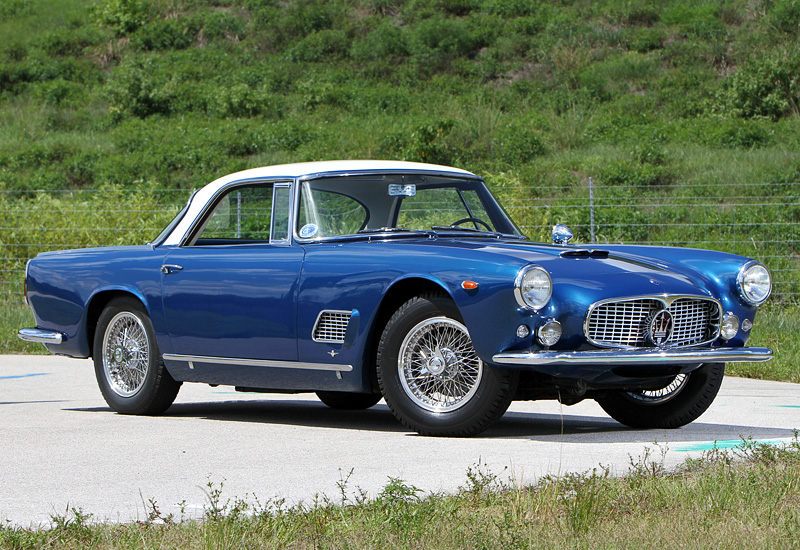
(40, 336)
(191, 359)
(635, 357)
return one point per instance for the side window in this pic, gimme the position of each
(255, 213)
(281, 203)
(329, 214)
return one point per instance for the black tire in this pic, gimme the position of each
(348, 401)
(127, 362)
(453, 393)
(678, 403)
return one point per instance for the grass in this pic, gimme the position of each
(744, 498)
(778, 329)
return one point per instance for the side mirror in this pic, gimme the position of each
(562, 234)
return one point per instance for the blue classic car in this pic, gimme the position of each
(362, 280)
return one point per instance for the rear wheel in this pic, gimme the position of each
(430, 375)
(677, 403)
(348, 400)
(127, 363)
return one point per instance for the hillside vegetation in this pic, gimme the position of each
(172, 93)
(654, 100)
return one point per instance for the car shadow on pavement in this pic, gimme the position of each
(592, 429)
(514, 425)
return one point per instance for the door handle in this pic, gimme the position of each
(168, 269)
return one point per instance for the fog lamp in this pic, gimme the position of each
(549, 333)
(730, 326)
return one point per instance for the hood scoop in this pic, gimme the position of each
(584, 253)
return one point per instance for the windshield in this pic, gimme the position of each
(347, 205)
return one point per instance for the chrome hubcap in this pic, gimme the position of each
(126, 354)
(438, 367)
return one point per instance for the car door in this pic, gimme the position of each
(231, 291)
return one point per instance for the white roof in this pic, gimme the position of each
(292, 171)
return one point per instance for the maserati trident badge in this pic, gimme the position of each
(658, 328)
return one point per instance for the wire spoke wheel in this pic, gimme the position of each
(663, 394)
(437, 365)
(126, 354)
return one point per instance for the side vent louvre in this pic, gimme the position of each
(331, 326)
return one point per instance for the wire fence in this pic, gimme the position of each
(756, 220)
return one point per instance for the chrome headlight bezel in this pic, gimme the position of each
(742, 283)
(526, 275)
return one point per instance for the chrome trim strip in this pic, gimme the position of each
(634, 356)
(40, 336)
(666, 299)
(256, 363)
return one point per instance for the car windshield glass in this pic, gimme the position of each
(348, 205)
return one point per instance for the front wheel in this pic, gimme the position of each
(127, 363)
(431, 377)
(674, 404)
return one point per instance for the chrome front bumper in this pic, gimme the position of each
(40, 336)
(634, 357)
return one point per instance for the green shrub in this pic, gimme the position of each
(733, 133)
(167, 34)
(512, 8)
(436, 42)
(70, 42)
(765, 87)
(519, 145)
(784, 16)
(139, 89)
(123, 16)
(321, 45)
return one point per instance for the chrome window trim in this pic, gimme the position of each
(275, 187)
(256, 363)
(348, 312)
(207, 207)
(667, 300)
(740, 280)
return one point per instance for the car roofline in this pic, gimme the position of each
(301, 172)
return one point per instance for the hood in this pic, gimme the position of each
(589, 273)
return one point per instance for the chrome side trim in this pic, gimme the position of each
(635, 356)
(40, 336)
(257, 363)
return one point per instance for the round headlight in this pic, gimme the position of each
(533, 287)
(755, 283)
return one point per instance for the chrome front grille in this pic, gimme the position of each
(623, 323)
(331, 326)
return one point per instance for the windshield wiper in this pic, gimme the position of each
(387, 230)
(458, 228)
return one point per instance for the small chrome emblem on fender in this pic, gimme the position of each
(658, 327)
(333, 353)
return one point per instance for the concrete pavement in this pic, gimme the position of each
(62, 447)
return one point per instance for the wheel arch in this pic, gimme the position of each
(396, 295)
(98, 303)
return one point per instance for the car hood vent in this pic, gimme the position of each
(584, 253)
(331, 326)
